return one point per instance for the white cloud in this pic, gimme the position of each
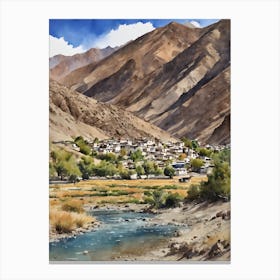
(60, 46)
(195, 23)
(123, 34)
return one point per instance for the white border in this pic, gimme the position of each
(24, 138)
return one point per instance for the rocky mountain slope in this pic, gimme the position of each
(175, 77)
(145, 54)
(73, 114)
(61, 65)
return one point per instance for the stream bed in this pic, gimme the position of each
(122, 234)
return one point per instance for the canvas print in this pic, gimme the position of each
(139, 140)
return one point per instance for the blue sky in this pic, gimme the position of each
(70, 36)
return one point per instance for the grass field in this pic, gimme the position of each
(67, 201)
(116, 191)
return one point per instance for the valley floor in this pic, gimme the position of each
(204, 228)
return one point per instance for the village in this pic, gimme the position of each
(133, 153)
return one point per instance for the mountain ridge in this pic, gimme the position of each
(73, 114)
(175, 77)
(61, 65)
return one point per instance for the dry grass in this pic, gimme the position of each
(73, 206)
(66, 222)
(111, 191)
(86, 185)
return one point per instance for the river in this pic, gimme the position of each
(122, 234)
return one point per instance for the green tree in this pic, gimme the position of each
(140, 170)
(218, 183)
(125, 173)
(195, 144)
(216, 187)
(187, 142)
(149, 167)
(110, 157)
(61, 169)
(123, 152)
(64, 163)
(52, 171)
(72, 168)
(222, 156)
(169, 171)
(137, 155)
(82, 144)
(196, 164)
(204, 152)
(158, 171)
(104, 168)
(86, 166)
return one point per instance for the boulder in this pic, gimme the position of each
(177, 233)
(216, 250)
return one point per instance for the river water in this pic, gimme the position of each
(122, 234)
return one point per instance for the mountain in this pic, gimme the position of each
(53, 61)
(145, 54)
(72, 114)
(61, 65)
(175, 77)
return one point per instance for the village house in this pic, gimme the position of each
(179, 167)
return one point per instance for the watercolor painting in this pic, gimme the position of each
(139, 140)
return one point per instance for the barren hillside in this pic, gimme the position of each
(73, 114)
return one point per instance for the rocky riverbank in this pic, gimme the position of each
(204, 234)
(54, 236)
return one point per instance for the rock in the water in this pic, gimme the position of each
(178, 233)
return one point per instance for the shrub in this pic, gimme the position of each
(62, 221)
(73, 178)
(124, 173)
(169, 187)
(147, 193)
(187, 142)
(193, 192)
(157, 198)
(118, 192)
(217, 187)
(172, 200)
(82, 144)
(85, 149)
(66, 222)
(73, 206)
(134, 200)
(169, 171)
(148, 200)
